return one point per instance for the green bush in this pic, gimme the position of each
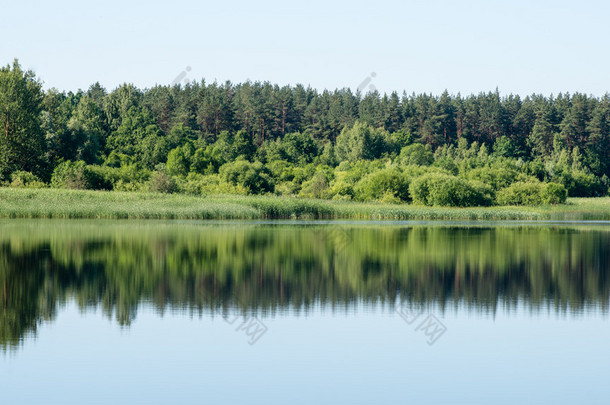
(287, 188)
(102, 177)
(585, 184)
(199, 184)
(342, 187)
(72, 175)
(317, 186)
(121, 185)
(554, 193)
(23, 179)
(532, 193)
(161, 182)
(254, 177)
(377, 184)
(449, 191)
(521, 193)
(497, 177)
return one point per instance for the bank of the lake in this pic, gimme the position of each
(56, 203)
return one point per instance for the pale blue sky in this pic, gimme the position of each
(422, 46)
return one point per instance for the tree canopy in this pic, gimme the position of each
(296, 140)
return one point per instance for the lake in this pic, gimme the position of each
(301, 312)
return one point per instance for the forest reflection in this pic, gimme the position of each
(264, 267)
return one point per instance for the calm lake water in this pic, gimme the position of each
(304, 312)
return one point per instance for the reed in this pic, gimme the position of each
(59, 203)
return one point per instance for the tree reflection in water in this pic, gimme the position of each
(273, 267)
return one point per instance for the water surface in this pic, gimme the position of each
(303, 312)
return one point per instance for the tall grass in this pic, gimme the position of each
(55, 203)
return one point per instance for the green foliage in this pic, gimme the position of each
(72, 175)
(86, 131)
(448, 165)
(243, 145)
(521, 193)
(253, 177)
(208, 160)
(585, 184)
(383, 184)
(328, 156)
(554, 193)
(23, 179)
(532, 193)
(416, 154)
(116, 159)
(181, 134)
(360, 142)
(497, 177)
(161, 182)
(299, 147)
(449, 191)
(536, 168)
(318, 185)
(22, 142)
(298, 141)
(503, 147)
(178, 162)
(199, 184)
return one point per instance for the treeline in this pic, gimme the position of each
(255, 138)
(266, 268)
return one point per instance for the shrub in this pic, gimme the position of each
(317, 186)
(253, 177)
(389, 197)
(299, 147)
(162, 182)
(342, 191)
(532, 193)
(375, 185)
(585, 184)
(497, 177)
(554, 193)
(287, 188)
(73, 175)
(199, 184)
(449, 191)
(121, 185)
(134, 173)
(208, 160)
(23, 179)
(77, 175)
(102, 177)
(521, 193)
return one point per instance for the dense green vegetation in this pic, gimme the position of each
(258, 138)
(59, 203)
(208, 268)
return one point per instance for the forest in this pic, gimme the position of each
(258, 138)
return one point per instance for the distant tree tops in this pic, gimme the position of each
(199, 127)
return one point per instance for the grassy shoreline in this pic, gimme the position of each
(56, 203)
